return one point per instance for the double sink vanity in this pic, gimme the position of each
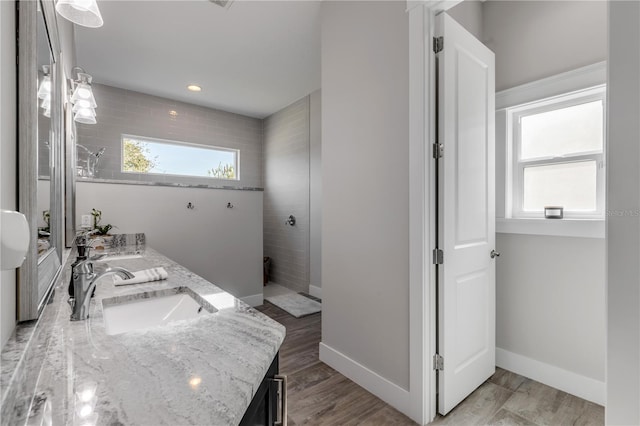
(176, 351)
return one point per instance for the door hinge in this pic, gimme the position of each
(438, 150)
(438, 257)
(438, 44)
(438, 362)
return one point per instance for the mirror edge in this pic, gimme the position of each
(70, 176)
(29, 303)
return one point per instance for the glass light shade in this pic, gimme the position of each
(85, 112)
(84, 103)
(46, 103)
(83, 92)
(81, 12)
(45, 87)
(78, 108)
(85, 115)
(47, 112)
(84, 119)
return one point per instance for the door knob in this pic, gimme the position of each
(494, 254)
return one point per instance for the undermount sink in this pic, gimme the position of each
(152, 309)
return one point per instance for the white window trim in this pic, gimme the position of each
(174, 142)
(573, 81)
(516, 175)
(584, 228)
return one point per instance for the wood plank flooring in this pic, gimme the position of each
(319, 395)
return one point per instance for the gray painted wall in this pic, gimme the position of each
(315, 192)
(544, 280)
(286, 181)
(125, 112)
(623, 229)
(469, 14)
(532, 39)
(222, 245)
(8, 155)
(550, 301)
(365, 184)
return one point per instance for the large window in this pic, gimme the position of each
(557, 150)
(155, 156)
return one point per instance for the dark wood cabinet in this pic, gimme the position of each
(268, 407)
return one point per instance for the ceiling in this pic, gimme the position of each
(253, 58)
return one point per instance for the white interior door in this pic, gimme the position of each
(466, 213)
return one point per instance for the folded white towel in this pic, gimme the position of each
(147, 275)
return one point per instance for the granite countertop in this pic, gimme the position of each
(203, 371)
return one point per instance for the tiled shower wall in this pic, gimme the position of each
(274, 154)
(125, 112)
(286, 183)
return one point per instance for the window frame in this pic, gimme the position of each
(124, 136)
(516, 166)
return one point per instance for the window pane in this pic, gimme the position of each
(571, 130)
(570, 185)
(163, 157)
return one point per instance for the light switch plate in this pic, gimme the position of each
(86, 220)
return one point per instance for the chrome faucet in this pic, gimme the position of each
(84, 281)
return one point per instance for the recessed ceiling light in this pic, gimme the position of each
(173, 113)
(194, 88)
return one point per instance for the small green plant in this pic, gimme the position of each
(100, 230)
(222, 172)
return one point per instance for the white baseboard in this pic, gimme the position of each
(387, 391)
(315, 291)
(567, 381)
(253, 300)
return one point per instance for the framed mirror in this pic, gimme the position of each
(40, 152)
(70, 177)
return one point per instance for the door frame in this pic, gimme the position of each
(422, 203)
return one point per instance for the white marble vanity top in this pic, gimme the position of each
(202, 371)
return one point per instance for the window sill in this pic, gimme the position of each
(584, 228)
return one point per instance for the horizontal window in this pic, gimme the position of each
(156, 156)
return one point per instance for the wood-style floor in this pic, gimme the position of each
(319, 395)
(510, 399)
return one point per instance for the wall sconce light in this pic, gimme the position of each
(81, 12)
(44, 91)
(84, 103)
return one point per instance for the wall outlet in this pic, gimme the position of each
(86, 221)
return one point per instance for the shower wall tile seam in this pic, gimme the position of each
(286, 182)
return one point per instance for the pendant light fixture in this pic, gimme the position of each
(85, 116)
(84, 103)
(81, 12)
(44, 91)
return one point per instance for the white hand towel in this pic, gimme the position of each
(147, 275)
